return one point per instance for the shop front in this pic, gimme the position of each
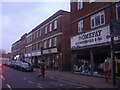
(90, 49)
(51, 58)
(36, 58)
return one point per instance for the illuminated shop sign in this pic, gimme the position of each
(97, 36)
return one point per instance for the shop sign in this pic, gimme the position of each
(25, 55)
(97, 36)
(36, 53)
(48, 51)
(29, 54)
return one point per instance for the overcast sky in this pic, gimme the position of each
(18, 18)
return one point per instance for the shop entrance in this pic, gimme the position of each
(100, 54)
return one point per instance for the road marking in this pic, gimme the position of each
(9, 86)
(30, 82)
(74, 84)
(39, 86)
(61, 84)
(53, 83)
(2, 77)
(24, 78)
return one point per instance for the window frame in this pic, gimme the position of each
(55, 41)
(45, 29)
(55, 24)
(79, 4)
(50, 42)
(45, 44)
(50, 28)
(93, 17)
(117, 5)
(80, 26)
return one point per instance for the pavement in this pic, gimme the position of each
(90, 81)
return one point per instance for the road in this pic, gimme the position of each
(12, 78)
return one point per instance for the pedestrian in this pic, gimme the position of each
(42, 69)
(107, 69)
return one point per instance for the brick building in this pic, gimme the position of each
(90, 35)
(18, 48)
(50, 41)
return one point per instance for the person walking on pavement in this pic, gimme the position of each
(107, 69)
(42, 69)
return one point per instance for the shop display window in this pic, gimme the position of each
(82, 66)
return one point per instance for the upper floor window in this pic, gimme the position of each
(92, 1)
(50, 43)
(39, 32)
(55, 41)
(118, 10)
(45, 44)
(80, 26)
(55, 24)
(45, 29)
(80, 4)
(98, 19)
(50, 27)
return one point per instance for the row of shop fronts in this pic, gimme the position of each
(50, 56)
(89, 51)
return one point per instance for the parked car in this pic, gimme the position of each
(26, 67)
(18, 64)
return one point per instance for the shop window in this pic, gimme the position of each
(80, 4)
(98, 19)
(83, 66)
(80, 26)
(118, 10)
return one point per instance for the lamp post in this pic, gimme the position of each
(113, 74)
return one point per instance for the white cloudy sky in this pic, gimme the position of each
(18, 18)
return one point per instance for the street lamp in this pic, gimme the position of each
(113, 74)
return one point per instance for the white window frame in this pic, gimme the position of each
(80, 4)
(45, 44)
(50, 27)
(94, 21)
(45, 29)
(80, 26)
(55, 24)
(40, 32)
(92, 1)
(50, 42)
(37, 34)
(117, 5)
(55, 41)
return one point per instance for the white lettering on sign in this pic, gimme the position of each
(48, 51)
(98, 36)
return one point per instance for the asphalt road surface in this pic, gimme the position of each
(12, 78)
